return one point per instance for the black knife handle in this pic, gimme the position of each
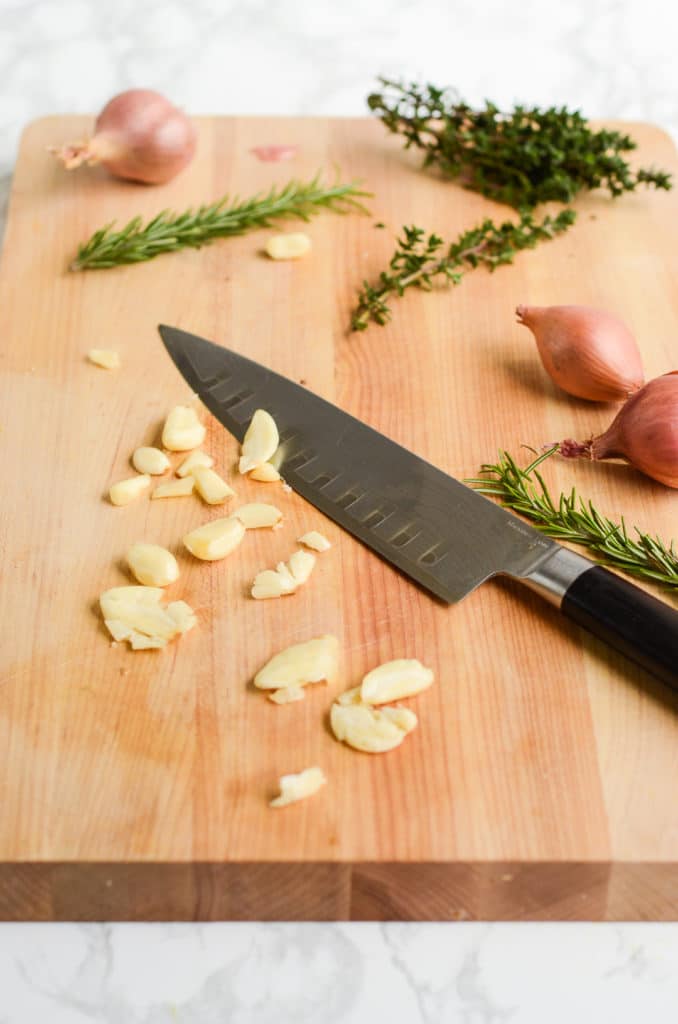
(626, 618)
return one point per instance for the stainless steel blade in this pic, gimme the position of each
(439, 532)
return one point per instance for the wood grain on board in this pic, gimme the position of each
(541, 781)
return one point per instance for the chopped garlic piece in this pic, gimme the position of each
(196, 458)
(301, 565)
(215, 539)
(283, 570)
(210, 486)
(269, 583)
(108, 358)
(150, 460)
(258, 514)
(136, 614)
(297, 787)
(288, 246)
(265, 473)
(183, 429)
(174, 488)
(394, 680)
(260, 441)
(308, 662)
(370, 729)
(152, 565)
(127, 490)
(286, 695)
(315, 540)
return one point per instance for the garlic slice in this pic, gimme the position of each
(265, 473)
(136, 614)
(183, 430)
(290, 246)
(107, 358)
(260, 441)
(307, 662)
(258, 514)
(299, 786)
(315, 540)
(268, 583)
(174, 488)
(215, 539)
(301, 565)
(150, 460)
(127, 490)
(372, 730)
(286, 695)
(196, 458)
(152, 565)
(210, 485)
(394, 680)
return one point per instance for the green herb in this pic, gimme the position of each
(170, 231)
(573, 519)
(525, 157)
(419, 260)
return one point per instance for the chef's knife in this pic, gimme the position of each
(439, 532)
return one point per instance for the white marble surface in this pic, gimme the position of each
(612, 58)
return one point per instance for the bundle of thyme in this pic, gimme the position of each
(169, 231)
(573, 519)
(522, 158)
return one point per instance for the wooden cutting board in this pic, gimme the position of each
(541, 782)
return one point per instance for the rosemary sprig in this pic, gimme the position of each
(169, 231)
(419, 260)
(524, 157)
(571, 518)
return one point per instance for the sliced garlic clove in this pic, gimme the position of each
(215, 539)
(260, 441)
(394, 680)
(289, 246)
(268, 583)
(286, 695)
(152, 565)
(183, 430)
(315, 540)
(258, 514)
(299, 786)
(127, 490)
(265, 473)
(372, 730)
(150, 460)
(136, 614)
(284, 571)
(210, 485)
(174, 488)
(300, 664)
(107, 358)
(301, 565)
(351, 696)
(195, 459)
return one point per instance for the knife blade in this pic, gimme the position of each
(441, 533)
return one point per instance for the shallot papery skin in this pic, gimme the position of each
(587, 352)
(140, 136)
(644, 432)
(274, 153)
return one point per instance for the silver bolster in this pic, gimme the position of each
(553, 577)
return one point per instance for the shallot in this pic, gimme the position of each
(644, 432)
(139, 135)
(587, 352)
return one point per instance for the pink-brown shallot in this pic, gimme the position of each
(139, 135)
(587, 352)
(644, 432)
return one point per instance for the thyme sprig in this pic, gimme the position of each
(194, 228)
(576, 520)
(524, 157)
(420, 259)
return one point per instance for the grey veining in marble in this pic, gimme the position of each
(610, 58)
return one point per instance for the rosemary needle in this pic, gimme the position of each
(571, 518)
(168, 231)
